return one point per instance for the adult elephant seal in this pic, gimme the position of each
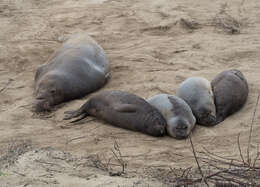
(123, 110)
(230, 90)
(79, 67)
(197, 92)
(176, 112)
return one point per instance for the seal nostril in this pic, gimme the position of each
(39, 97)
(182, 127)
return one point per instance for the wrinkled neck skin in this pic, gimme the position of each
(48, 93)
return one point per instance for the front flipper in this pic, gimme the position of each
(127, 108)
(107, 77)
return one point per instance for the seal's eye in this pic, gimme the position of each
(53, 91)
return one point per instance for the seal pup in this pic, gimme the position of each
(123, 110)
(79, 67)
(197, 93)
(230, 91)
(177, 113)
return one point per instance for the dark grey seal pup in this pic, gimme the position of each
(176, 112)
(123, 110)
(197, 92)
(230, 91)
(79, 67)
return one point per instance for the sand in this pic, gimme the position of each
(152, 47)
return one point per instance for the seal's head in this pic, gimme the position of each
(198, 94)
(48, 92)
(179, 128)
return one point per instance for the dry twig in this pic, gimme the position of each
(226, 22)
(118, 156)
(194, 154)
(250, 132)
(239, 148)
(6, 84)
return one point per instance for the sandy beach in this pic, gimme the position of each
(152, 47)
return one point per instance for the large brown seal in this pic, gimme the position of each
(230, 91)
(123, 110)
(197, 92)
(176, 112)
(79, 67)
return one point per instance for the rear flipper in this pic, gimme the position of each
(82, 117)
(72, 114)
(82, 111)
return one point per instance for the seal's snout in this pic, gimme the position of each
(181, 131)
(41, 104)
(179, 128)
(208, 120)
(158, 128)
(181, 134)
(182, 127)
(212, 119)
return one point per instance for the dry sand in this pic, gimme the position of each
(152, 46)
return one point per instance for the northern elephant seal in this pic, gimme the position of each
(79, 67)
(197, 92)
(230, 91)
(123, 110)
(177, 113)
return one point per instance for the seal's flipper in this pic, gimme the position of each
(82, 117)
(128, 108)
(238, 74)
(72, 114)
(69, 112)
(76, 113)
(107, 76)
